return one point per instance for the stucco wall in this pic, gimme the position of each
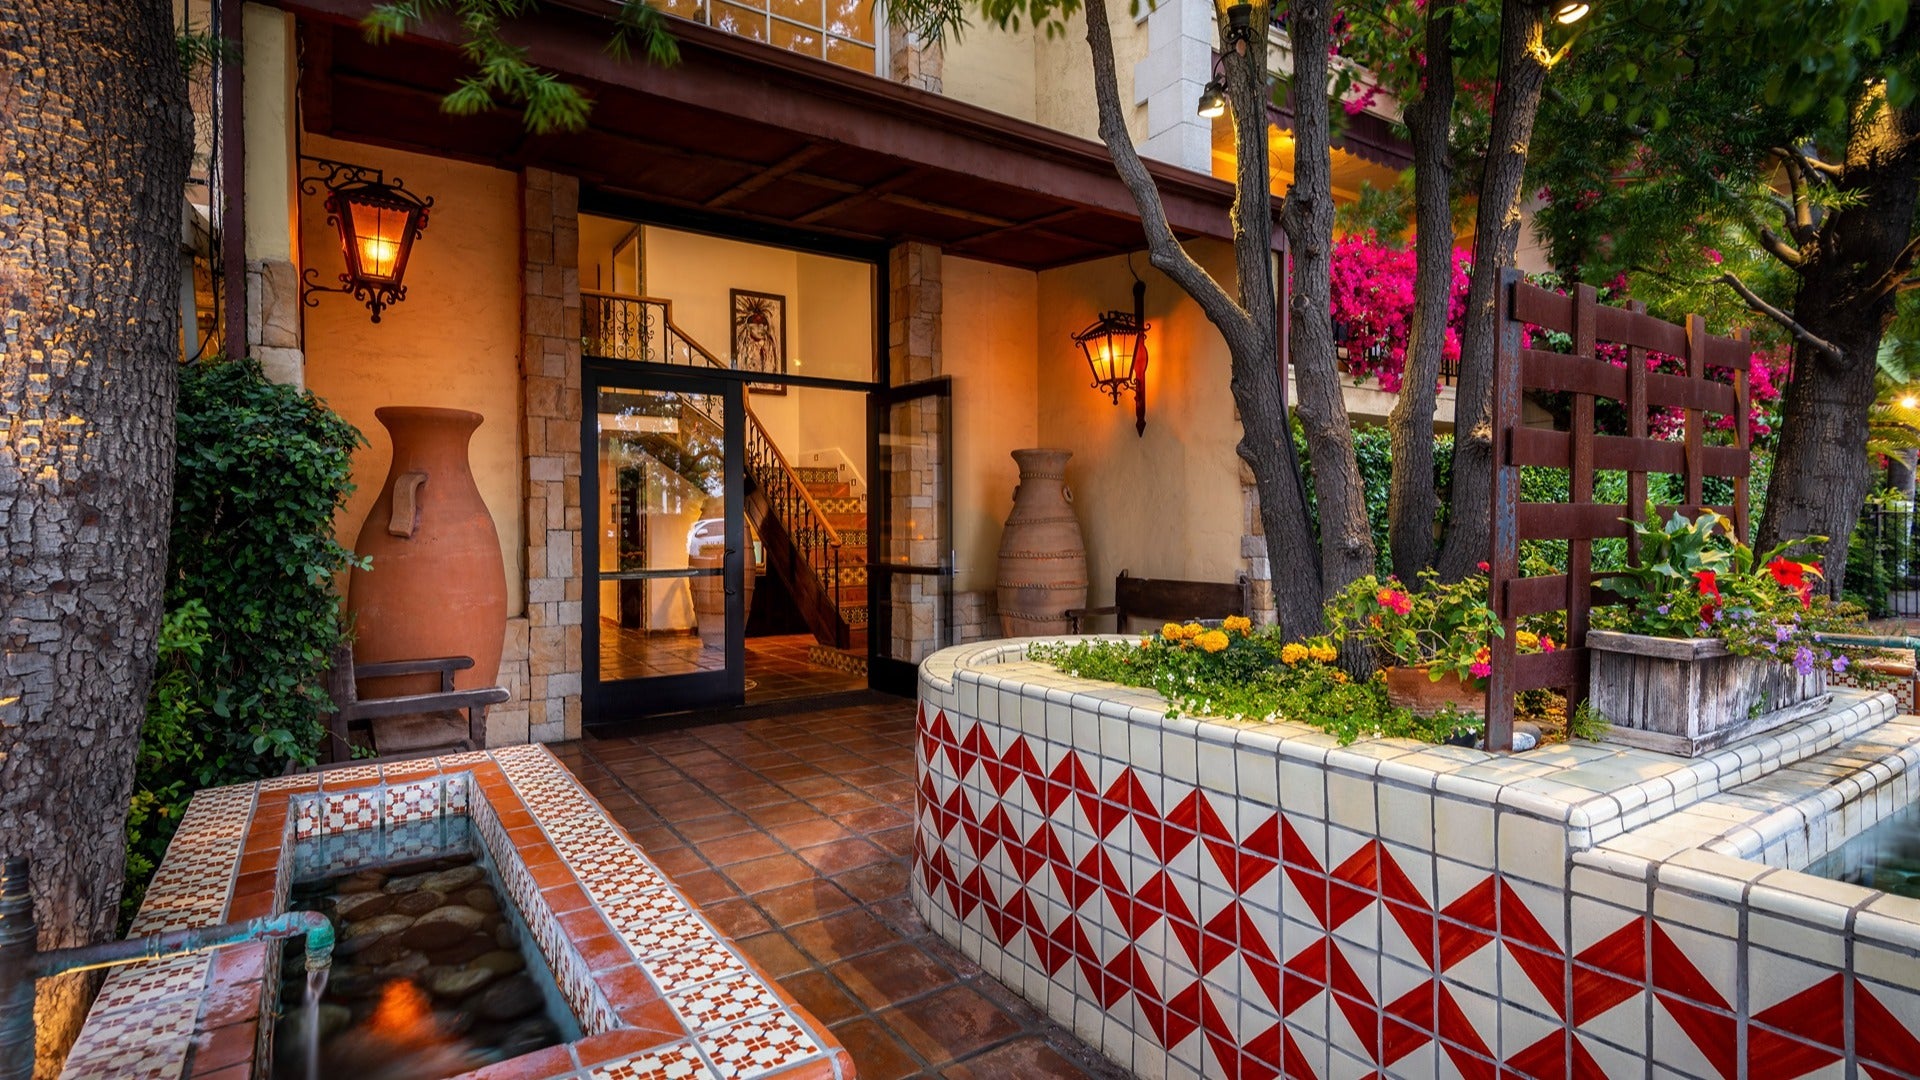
(1063, 75)
(454, 342)
(988, 332)
(994, 69)
(1166, 504)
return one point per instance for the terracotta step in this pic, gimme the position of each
(817, 474)
(857, 640)
(853, 596)
(835, 489)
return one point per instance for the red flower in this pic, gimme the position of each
(1483, 566)
(1792, 576)
(1709, 584)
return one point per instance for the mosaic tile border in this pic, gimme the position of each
(618, 936)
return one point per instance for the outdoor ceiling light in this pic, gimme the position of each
(1213, 100)
(1569, 12)
(377, 221)
(1116, 350)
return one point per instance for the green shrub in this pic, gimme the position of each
(251, 616)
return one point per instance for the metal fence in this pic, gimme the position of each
(1883, 561)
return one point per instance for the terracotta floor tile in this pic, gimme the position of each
(874, 819)
(845, 802)
(759, 875)
(677, 861)
(826, 999)
(803, 901)
(838, 937)
(713, 828)
(877, 1054)
(950, 1025)
(1029, 1059)
(706, 888)
(784, 813)
(808, 833)
(892, 975)
(843, 855)
(875, 881)
(736, 918)
(777, 956)
(736, 849)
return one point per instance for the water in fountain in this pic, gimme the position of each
(1885, 856)
(434, 972)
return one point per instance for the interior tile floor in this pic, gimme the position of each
(795, 835)
(777, 664)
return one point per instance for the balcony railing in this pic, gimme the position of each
(636, 328)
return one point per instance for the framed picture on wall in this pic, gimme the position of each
(759, 336)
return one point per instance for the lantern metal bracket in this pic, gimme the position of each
(331, 177)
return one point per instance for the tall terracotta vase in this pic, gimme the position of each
(1043, 559)
(437, 585)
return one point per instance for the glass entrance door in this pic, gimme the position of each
(665, 543)
(910, 590)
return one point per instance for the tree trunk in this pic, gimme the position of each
(1346, 539)
(1249, 326)
(94, 140)
(1496, 237)
(1820, 474)
(1412, 501)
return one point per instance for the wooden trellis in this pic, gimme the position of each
(1583, 452)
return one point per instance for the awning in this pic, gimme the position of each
(756, 133)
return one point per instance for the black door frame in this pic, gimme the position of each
(884, 672)
(605, 702)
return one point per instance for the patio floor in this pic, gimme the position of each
(794, 834)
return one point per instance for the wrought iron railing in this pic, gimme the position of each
(1883, 561)
(641, 328)
(637, 328)
(814, 537)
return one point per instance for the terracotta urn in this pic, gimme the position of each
(1415, 690)
(1043, 558)
(437, 585)
(709, 592)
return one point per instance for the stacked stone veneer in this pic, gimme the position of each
(913, 474)
(550, 370)
(1209, 898)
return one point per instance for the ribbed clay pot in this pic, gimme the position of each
(1043, 558)
(437, 585)
(1415, 690)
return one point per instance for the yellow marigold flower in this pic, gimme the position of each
(1172, 632)
(1526, 639)
(1237, 623)
(1193, 630)
(1293, 652)
(1339, 676)
(1213, 640)
(1326, 654)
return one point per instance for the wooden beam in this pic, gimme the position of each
(773, 172)
(859, 195)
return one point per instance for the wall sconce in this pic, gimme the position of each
(377, 221)
(1238, 36)
(1116, 350)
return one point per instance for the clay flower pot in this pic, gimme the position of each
(437, 585)
(1043, 558)
(1413, 689)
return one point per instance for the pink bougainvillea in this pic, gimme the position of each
(1373, 306)
(1373, 302)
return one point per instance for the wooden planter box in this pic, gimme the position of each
(1689, 695)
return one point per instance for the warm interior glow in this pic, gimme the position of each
(378, 233)
(1569, 13)
(1103, 365)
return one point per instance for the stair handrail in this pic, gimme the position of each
(793, 477)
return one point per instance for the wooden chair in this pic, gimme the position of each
(410, 724)
(1167, 600)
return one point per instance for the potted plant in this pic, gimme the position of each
(1712, 642)
(1431, 641)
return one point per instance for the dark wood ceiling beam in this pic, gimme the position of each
(859, 195)
(773, 172)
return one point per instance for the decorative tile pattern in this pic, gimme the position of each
(758, 1046)
(134, 984)
(147, 1043)
(350, 810)
(1312, 930)
(723, 1001)
(414, 801)
(680, 1061)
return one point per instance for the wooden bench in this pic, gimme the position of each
(410, 724)
(1166, 600)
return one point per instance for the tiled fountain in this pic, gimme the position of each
(1205, 898)
(654, 991)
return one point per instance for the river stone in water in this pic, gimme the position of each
(460, 952)
(364, 881)
(526, 1036)
(453, 984)
(418, 902)
(410, 964)
(333, 1019)
(354, 907)
(481, 900)
(459, 877)
(509, 1000)
(500, 961)
(441, 927)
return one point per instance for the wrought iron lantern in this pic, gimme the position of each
(378, 221)
(1116, 350)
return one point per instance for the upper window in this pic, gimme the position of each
(837, 30)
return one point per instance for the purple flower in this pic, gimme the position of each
(1803, 661)
(1704, 628)
(1781, 632)
(1663, 609)
(1839, 664)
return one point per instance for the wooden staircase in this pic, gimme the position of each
(847, 513)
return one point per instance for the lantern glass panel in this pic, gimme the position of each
(377, 238)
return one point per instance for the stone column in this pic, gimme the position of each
(1253, 553)
(913, 62)
(1168, 81)
(272, 281)
(550, 370)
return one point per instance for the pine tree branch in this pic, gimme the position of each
(1163, 247)
(1808, 162)
(1894, 279)
(1761, 307)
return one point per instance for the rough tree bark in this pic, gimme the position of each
(1851, 267)
(1250, 325)
(93, 145)
(1496, 237)
(1412, 501)
(1346, 539)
